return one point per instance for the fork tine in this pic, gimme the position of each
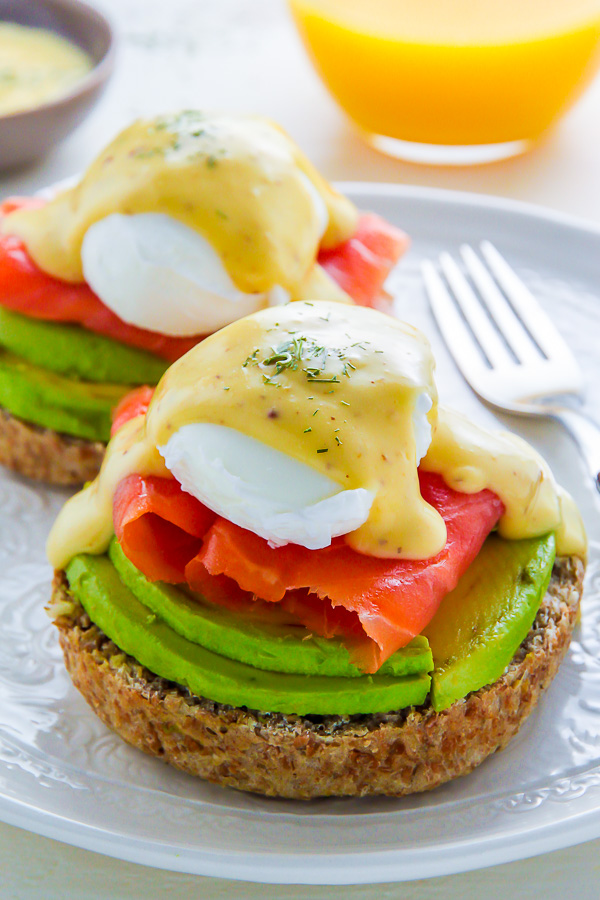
(474, 313)
(507, 322)
(526, 306)
(457, 336)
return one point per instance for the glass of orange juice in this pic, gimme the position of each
(452, 81)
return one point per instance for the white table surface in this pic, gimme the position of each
(243, 55)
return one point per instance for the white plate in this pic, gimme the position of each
(64, 775)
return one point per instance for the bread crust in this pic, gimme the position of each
(305, 757)
(46, 455)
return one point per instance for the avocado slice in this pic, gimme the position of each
(480, 624)
(73, 351)
(79, 408)
(94, 581)
(277, 646)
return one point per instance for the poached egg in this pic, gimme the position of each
(187, 222)
(161, 275)
(262, 489)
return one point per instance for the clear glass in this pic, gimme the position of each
(452, 82)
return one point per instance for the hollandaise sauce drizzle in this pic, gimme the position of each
(339, 389)
(240, 182)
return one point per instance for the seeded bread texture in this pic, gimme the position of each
(46, 455)
(395, 753)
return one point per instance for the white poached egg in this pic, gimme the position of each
(268, 492)
(262, 489)
(161, 275)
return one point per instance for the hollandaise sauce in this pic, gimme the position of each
(349, 392)
(37, 66)
(240, 182)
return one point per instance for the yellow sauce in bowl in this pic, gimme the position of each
(36, 67)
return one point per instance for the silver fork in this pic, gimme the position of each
(505, 345)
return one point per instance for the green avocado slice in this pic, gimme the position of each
(78, 408)
(73, 351)
(94, 581)
(479, 625)
(279, 646)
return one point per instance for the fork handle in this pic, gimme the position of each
(586, 435)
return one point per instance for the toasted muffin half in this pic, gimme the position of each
(47, 455)
(303, 757)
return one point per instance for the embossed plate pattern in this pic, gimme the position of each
(63, 774)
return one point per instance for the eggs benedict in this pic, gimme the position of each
(182, 225)
(292, 527)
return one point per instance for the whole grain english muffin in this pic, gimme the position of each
(396, 753)
(46, 455)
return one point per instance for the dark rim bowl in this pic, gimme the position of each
(26, 136)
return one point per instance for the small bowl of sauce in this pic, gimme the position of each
(55, 59)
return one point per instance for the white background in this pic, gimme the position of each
(246, 56)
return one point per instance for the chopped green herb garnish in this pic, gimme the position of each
(323, 450)
(303, 351)
(145, 153)
(251, 360)
(344, 403)
(306, 430)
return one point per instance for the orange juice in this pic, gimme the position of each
(453, 72)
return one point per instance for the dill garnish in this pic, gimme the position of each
(251, 360)
(301, 351)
